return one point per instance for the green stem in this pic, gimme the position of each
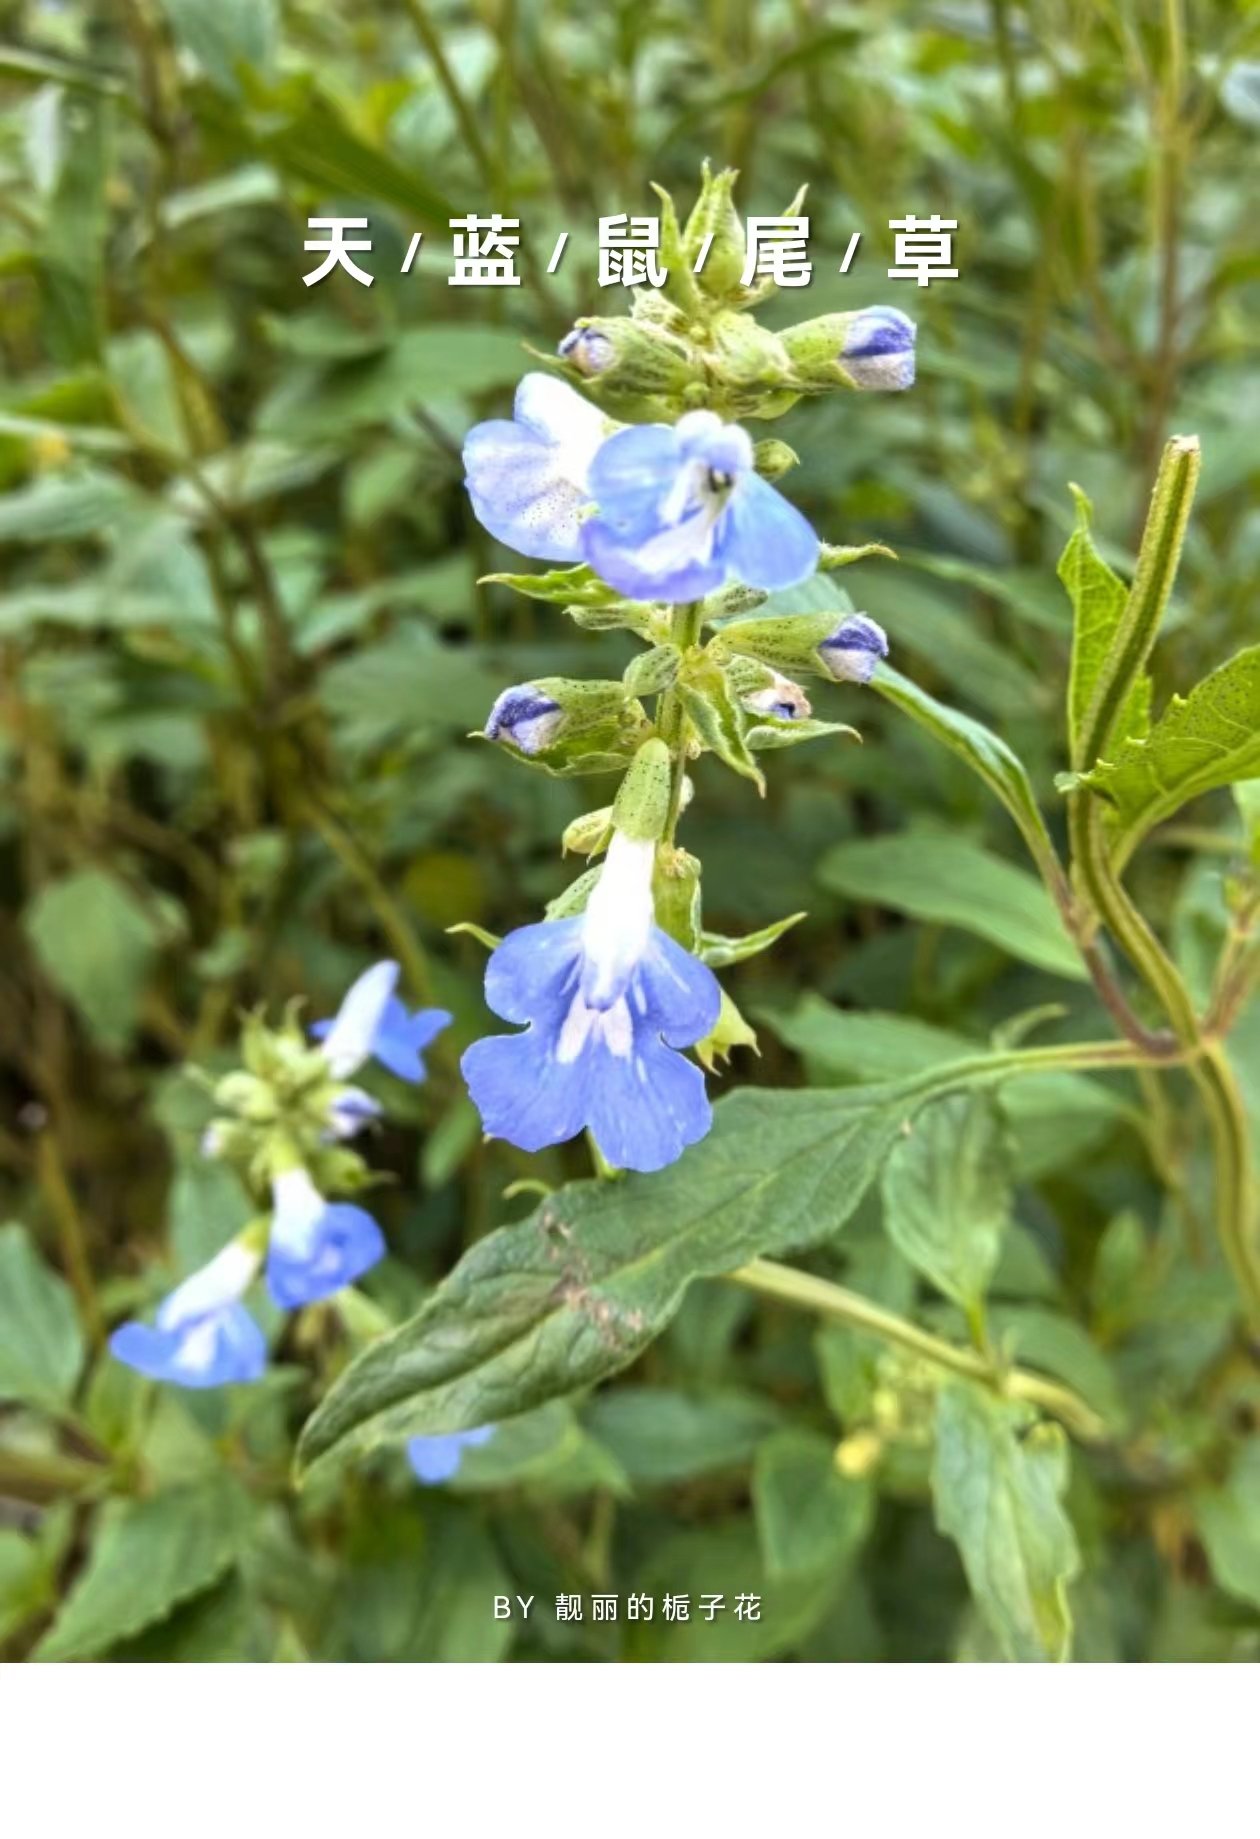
(822, 1297)
(684, 630)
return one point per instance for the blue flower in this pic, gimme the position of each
(527, 477)
(203, 1334)
(525, 717)
(851, 652)
(317, 1246)
(373, 1024)
(878, 349)
(608, 997)
(437, 1459)
(680, 511)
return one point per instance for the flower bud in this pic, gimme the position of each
(746, 355)
(845, 649)
(588, 835)
(869, 350)
(524, 717)
(714, 215)
(781, 698)
(642, 802)
(852, 650)
(774, 458)
(630, 357)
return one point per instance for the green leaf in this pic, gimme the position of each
(546, 1450)
(767, 733)
(544, 1307)
(577, 587)
(97, 945)
(953, 882)
(717, 951)
(1001, 769)
(1228, 1519)
(1207, 739)
(223, 35)
(41, 1345)
(147, 1557)
(947, 1195)
(1098, 597)
(26, 1582)
(809, 1517)
(998, 1486)
(717, 718)
(71, 243)
(658, 1436)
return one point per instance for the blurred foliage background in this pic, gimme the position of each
(243, 642)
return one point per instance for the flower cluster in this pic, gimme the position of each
(288, 1116)
(666, 512)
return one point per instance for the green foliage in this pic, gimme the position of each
(247, 623)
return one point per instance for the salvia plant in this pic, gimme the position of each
(638, 469)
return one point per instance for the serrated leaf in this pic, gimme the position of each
(809, 1517)
(947, 1195)
(148, 1556)
(1202, 741)
(41, 1343)
(1098, 597)
(541, 1308)
(998, 1487)
(954, 882)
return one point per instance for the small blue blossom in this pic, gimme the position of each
(203, 1335)
(780, 697)
(878, 350)
(437, 1459)
(317, 1246)
(680, 510)
(590, 352)
(373, 1024)
(525, 717)
(527, 478)
(351, 1111)
(608, 997)
(851, 652)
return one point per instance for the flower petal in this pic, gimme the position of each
(524, 1094)
(528, 974)
(562, 417)
(345, 1242)
(679, 564)
(222, 1349)
(348, 1040)
(673, 993)
(521, 492)
(644, 1109)
(402, 1036)
(764, 540)
(631, 474)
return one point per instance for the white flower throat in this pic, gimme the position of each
(616, 928)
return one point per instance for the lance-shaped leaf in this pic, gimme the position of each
(561, 1300)
(1207, 739)
(1001, 769)
(1098, 596)
(998, 1486)
(947, 1195)
(566, 587)
(718, 950)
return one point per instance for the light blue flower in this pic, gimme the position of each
(878, 349)
(609, 997)
(680, 510)
(203, 1334)
(373, 1024)
(525, 717)
(851, 652)
(437, 1459)
(317, 1246)
(527, 477)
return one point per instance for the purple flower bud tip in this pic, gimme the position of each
(878, 350)
(589, 352)
(780, 698)
(852, 651)
(524, 717)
